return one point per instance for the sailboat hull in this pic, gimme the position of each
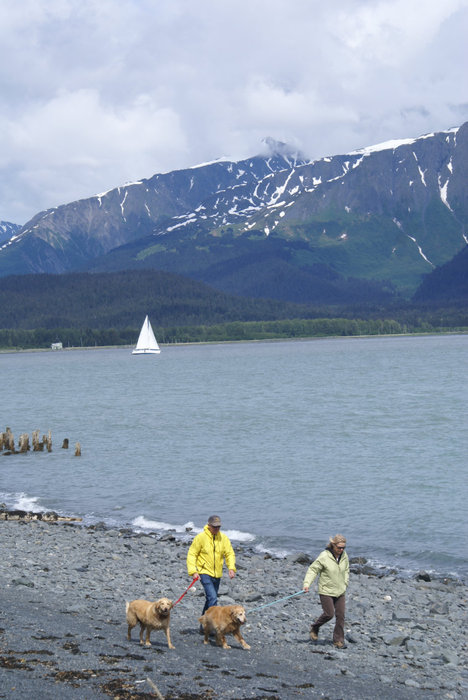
(146, 352)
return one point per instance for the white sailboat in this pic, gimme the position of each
(147, 343)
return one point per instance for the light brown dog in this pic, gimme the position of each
(222, 620)
(151, 616)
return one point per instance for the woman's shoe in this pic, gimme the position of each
(313, 633)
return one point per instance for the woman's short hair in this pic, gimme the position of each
(337, 539)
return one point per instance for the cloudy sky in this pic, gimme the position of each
(96, 93)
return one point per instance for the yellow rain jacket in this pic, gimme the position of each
(207, 553)
(334, 576)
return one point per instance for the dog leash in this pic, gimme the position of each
(188, 587)
(275, 601)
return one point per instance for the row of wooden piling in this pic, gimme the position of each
(8, 445)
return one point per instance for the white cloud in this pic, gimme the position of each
(96, 93)
(391, 31)
(78, 127)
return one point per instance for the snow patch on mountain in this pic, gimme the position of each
(8, 233)
(420, 250)
(443, 192)
(393, 144)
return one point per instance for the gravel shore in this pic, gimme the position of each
(63, 629)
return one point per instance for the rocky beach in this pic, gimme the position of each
(63, 629)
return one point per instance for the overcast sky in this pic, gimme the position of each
(97, 93)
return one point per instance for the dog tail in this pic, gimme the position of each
(201, 619)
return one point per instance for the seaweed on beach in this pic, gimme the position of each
(12, 662)
(125, 690)
(73, 676)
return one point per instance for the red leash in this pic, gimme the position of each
(179, 599)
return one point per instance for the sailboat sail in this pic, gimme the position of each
(147, 343)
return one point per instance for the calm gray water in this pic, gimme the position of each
(290, 442)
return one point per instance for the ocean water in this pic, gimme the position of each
(289, 442)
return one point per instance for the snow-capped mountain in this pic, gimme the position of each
(7, 231)
(275, 225)
(74, 233)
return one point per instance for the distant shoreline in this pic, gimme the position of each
(240, 341)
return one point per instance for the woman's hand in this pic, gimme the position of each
(306, 589)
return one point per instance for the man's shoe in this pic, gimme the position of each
(313, 633)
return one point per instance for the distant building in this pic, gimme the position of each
(57, 346)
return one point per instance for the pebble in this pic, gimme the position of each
(75, 580)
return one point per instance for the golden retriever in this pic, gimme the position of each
(151, 616)
(222, 620)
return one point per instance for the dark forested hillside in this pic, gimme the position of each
(447, 284)
(122, 299)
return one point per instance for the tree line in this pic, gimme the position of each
(233, 331)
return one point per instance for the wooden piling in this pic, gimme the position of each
(9, 440)
(7, 443)
(35, 441)
(47, 440)
(23, 443)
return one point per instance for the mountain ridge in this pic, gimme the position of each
(386, 214)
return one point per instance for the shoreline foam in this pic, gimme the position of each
(247, 541)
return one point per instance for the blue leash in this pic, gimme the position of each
(274, 602)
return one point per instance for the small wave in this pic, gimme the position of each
(280, 553)
(408, 569)
(147, 524)
(143, 523)
(239, 536)
(21, 501)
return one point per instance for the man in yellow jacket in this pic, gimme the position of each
(206, 556)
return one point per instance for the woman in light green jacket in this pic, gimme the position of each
(332, 566)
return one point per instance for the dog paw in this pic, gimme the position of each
(226, 646)
(246, 646)
(205, 641)
(171, 646)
